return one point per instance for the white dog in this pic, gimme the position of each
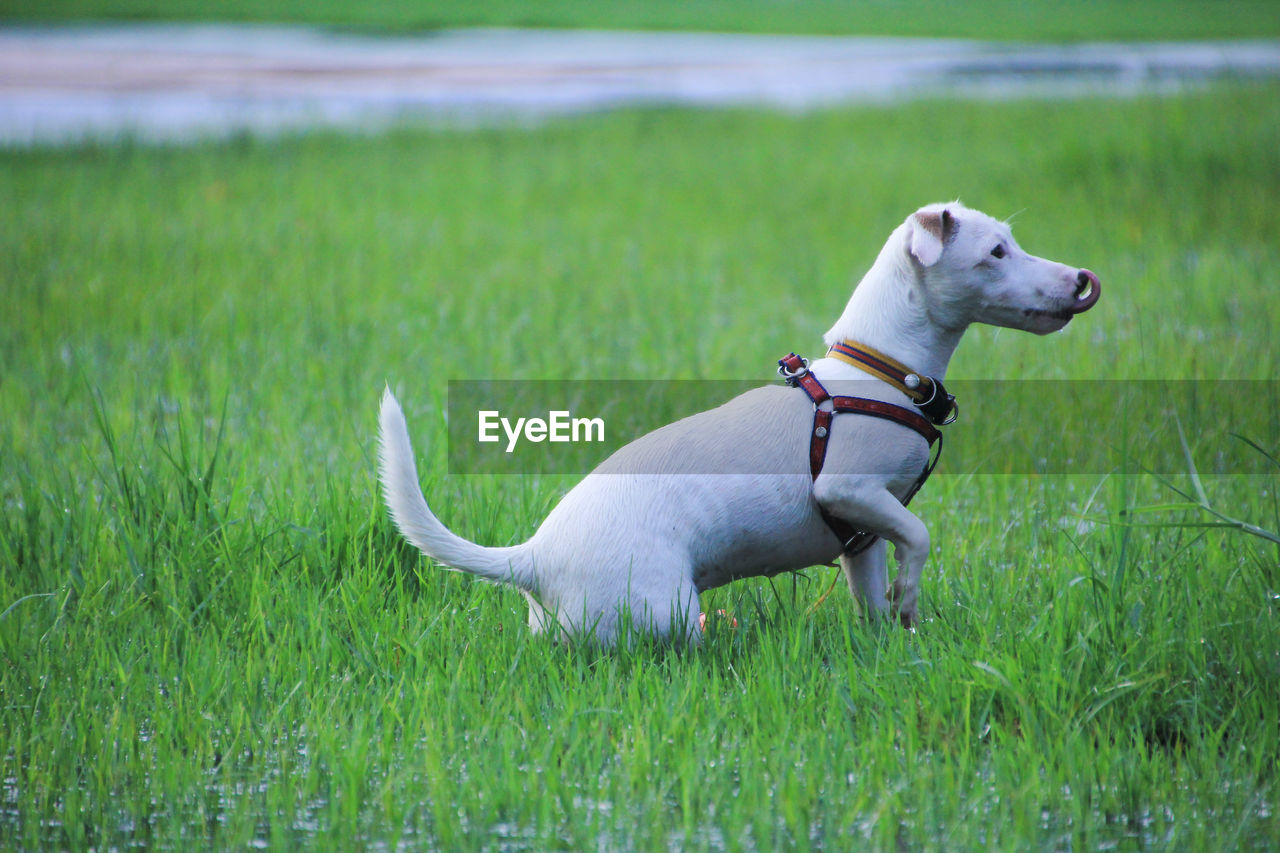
(634, 542)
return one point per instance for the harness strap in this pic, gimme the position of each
(795, 370)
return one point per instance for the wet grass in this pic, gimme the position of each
(1002, 20)
(211, 636)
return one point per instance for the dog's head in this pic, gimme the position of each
(971, 270)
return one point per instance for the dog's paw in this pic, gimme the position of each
(903, 599)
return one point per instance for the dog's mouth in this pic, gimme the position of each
(1088, 290)
(1062, 316)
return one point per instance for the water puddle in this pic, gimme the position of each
(175, 82)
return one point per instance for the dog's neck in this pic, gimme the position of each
(887, 312)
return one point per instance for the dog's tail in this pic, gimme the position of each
(419, 525)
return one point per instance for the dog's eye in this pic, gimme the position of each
(998, 251)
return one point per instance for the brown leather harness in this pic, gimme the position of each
(795, 370)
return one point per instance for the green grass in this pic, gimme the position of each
(1002, 20)
(210, 636)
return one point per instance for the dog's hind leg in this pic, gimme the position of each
(671, 614)
(868, 577)
(538, 620)
(684, 616)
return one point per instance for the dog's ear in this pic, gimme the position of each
(929, 230)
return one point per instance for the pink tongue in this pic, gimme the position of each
(1089, 297)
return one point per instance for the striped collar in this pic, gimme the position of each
(927, 393)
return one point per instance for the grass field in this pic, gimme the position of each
(997, 20)
(211, 637)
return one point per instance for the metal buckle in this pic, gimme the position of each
(792, 376)
(953, 408)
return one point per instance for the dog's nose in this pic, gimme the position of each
(1088, 289)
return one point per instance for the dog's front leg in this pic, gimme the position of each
(871, 507)
(866, 574)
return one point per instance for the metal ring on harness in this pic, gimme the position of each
(953, 408)
(791, 376)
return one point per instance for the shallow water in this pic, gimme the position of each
(183, 81)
